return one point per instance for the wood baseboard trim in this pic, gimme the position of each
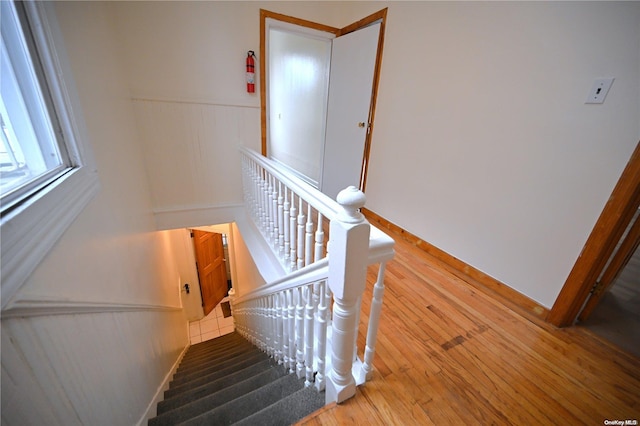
(478, 279)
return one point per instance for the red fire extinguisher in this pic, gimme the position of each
(251, 74)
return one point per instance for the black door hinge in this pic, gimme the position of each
(597, 289)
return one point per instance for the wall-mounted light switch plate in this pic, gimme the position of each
(599, 91)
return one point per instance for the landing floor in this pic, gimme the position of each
(448, 353)
(211, 326)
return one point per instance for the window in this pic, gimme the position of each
(32, 152)
(46, 170)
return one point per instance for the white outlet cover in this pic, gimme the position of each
(599, 91)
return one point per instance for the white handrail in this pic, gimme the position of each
(309, 274)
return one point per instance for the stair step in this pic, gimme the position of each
(216, 385)
(287, 411)
(213, 366)
(196, 363)
(248, 404)
(211, 346)
(226, 381)
(216, 342)
(177, 389)
(219, 399)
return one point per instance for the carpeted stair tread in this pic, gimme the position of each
(218, 341)
(239, 408)
(214, 350)
(287, 411)
(228, 380)
(214, 367)
(196, 363)
(185, 386)
(210, 348)
(205, 357)
(220, 398)
(190, 395)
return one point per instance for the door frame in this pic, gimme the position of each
(607, 232)
(381, 16)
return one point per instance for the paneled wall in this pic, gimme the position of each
(192, 160)
(186, 69)
(87, 369)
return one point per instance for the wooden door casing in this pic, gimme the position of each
(609, 228)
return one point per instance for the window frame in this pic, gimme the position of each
(31, 228)
(26, 84)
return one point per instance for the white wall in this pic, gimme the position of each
(482, 143)
(247, 277)
(111, 280)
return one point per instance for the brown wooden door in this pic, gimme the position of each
(212, 271)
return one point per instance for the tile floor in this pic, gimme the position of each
(211, 326)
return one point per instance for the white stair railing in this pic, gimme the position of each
(308, 319)
(292, 216)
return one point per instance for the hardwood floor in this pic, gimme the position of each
(448, 353)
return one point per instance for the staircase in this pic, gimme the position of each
(228, 381)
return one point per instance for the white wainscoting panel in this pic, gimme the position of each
(191, 152)
(81, 369)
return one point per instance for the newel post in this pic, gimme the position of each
(349, 244)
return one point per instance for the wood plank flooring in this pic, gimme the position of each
(448, 353)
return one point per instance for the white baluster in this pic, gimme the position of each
(292, 226)
(257, 196)
(291, 315)
(284, 308)
(308, 240)
(248, 322)
(349, 239)
(308, 336)
(374, 322)
(286, 227)
(267, 326)
(318, 252)
(299, 333)
(272, 207)
(261, 319)
(355, 331)
(278, 342)
(301, 220)
(274, 327)
(322, 338)
(264, 204)
(319, 247)
(274, 213)
(280, 250)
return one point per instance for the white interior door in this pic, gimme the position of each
(298, 70)
(353, 59)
